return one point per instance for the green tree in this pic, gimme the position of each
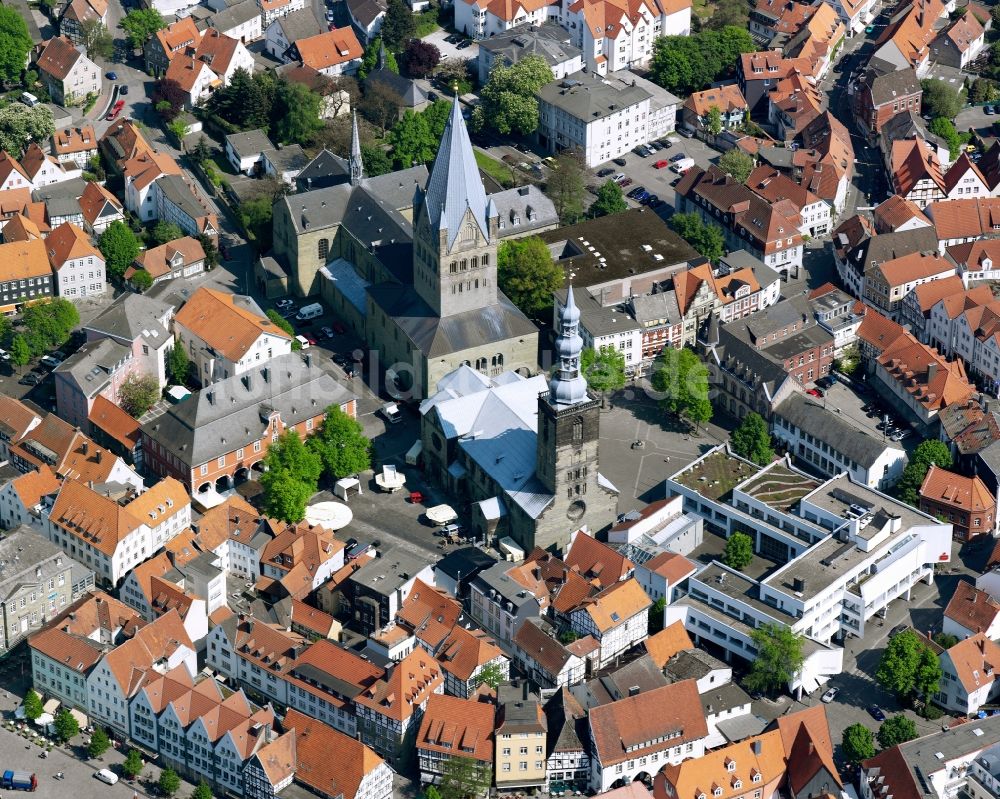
(984, 91)
(21, 125)
(430, 792)
(256, 217)
(896, 730)
(138, 393)
(202, 791)
(48, 324)
(566, 187)
(296, 112)
(857, 744)
(380, 106)
(904, 664)
(714, 120)
(527, 274)
(246, 101)
(141, 280)
(926, 453)
(491, 674)
(96, 39)
(179, 365)
(99, 743)
(736, 163)
(729, 12)
(738, 553)
(140, 25)
(169, 781)
(507, 101)
(945, 640)
(940, 126)
(927, 677)
(398, 25)
(66, 725)
(132, 765)
(341, 445)
(162, 232)
(285, 497)
(376, 160)
(119, 246)
(686, 64)
(285, 325)
(369, 61)
(412, 142)
(32, 705)
(464, 778)
(752, 440)
(779, 658)
(656, 615)
(681, 379)
(604, 369)
(20, 352)
(707, 239)
(15, 42)
(939, 99)
(610, 200)
(290, 454)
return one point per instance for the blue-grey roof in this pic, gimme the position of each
(455, 185)
(92, 366)
(348, 282)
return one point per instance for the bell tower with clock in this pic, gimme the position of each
(568, 435)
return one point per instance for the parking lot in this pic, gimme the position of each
(840, 399)
(450, 49)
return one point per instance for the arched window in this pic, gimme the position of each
(481, 364)
(578, 429)
(498, 360)
(323, 249)
(473, 262)
(469, 233)
(465, 265)
(486, 259)
(453, 267)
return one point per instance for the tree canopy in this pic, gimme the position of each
(707, 239)
(21, 125)
(604, 368)
(687, 64)
(138, 393)
(681, 380)
(896, 730)
(398, 25)
(369, 61)
(178, 364)
(295, 113)
(291, 477)
(858, 744)
(246, 101)
(752, 440)
(67, 727)
(47, 325)
(738, 553)
(141, 24)
(164, 231)
(15, 42)
(926, 453)
(527, 274)
(737, 164)
(779, 658)
(610, 200)
(507, 103)
(909, 667)
(32, 705)
(464, 778)
(169, 782)
(99, 743)
(411, 140)
(420, 58)
(132, 765)
(939, 99)
(341, 445)
(566, 187)
(96, 38)
(119, 246)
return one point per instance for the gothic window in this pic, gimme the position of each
(577, 430)
(323, 249)
(474, 262)
(453, 267)
(481, 364)
(486, 259)
(465, 265)
(469, 233)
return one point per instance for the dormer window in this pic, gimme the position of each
(756, 776)
(737, 783)
(730, 765)
(716, 791)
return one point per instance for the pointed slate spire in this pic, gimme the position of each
(357, 167)
(568, 386)
(454, 185)
(381, 55)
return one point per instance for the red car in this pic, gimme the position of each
(310, 338)
(815, 392)
(339, 328)
(115, 110)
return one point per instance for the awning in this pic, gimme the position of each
(492, 509)
(345, 485)
(390, 479)
(45, 719)
(414, 452)
(52, 706)
(331, 515)
(81, 718)
(442, 514)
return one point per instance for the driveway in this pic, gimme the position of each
(449, 50)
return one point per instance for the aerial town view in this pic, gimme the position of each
(467, 399)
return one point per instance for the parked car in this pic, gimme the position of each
(677, 157)
(649, 199)
(640, 151)
(603, 173)
(661, 164)
(326, 332)
(636, 192)
(619, 178)
(123, 89)
(50, 361)
(30, 380)
(106, 776)
(830, 695)
(626, 182)
(814, 392)
(876, 713)
(112, 76)
(988, 110)
(283, 303)
(115, 110)
(619, 161)
(655, 145)
(4, 355)
(826, 381)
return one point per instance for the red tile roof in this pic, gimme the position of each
(329, 762)
(457, 728)
(973, 609)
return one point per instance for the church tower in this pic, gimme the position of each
(456, 229)
(567, 444)
(357, 167)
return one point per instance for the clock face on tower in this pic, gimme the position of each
(576, 510)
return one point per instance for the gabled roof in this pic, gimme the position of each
(966, 494)
(329, 49)
(971, 608)
(177, 36)
(16, 418)
(897, 211)
(975, 661)
(24, 259)
(668, 642)
(464, 651)
(228, 323)
(914, 160)
(96, 200)
(59, 57)
(726, 98)
(429, 613)
(67, 242)
(31, 487)
(94, 518)
(597, 561)
(735, 769)
(457, 727)
(409, 684)
(541, 647)
(114, 422)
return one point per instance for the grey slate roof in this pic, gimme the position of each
(300, 24)
(586, 96)
(325, 170)
(550, 41)
(724, 698)
(892, 85)
(635, 677)
(91, 367)
(567, 724)
(436, 336)
(516, 203)
(286, 158)
(132, 316)
(408, 91)
(387, 574)
(365, 12)
(692, 664)
(22, 551)
(464, 563)
(811, 417)
(454, 185)
(663, 305)
(597, 320)
(886, 246)
(179, 194)
(237, 14)
(249, 143)
(233, 412)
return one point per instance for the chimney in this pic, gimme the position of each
(85, 446)
(757, 747)
(633, 690)
(931, 371)
(98, 455)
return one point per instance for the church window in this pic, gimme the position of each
(453, 268)
(477, 282)
(578, 429)
(323, 249)
(474, 262)
(481, 364)
(469, 233)
(460, 286)
(486, 259)
(465, 265)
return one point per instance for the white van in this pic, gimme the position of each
(28, 99)
(303, 342)
(683, 165)
(107, 776)
(391, 413)
(309, 311)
